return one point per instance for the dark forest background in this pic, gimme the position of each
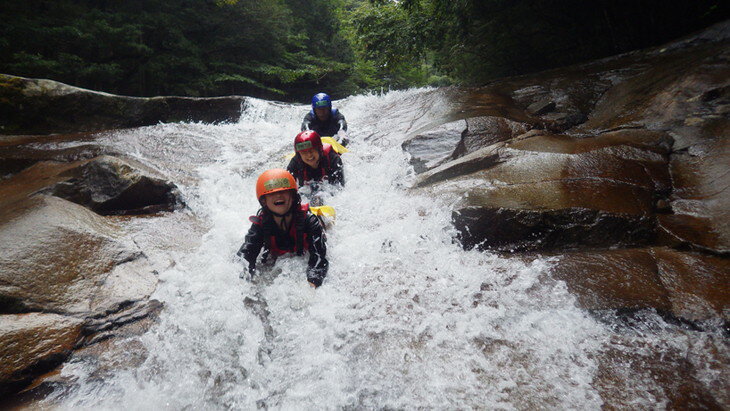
(289, 49)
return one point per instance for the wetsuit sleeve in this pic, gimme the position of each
(336, 172)
(318, 264)
(295, 169)
(341, 121)
(252, 245)
(307, 122)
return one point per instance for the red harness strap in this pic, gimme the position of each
(297, 231)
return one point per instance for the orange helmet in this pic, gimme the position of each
(276, 179)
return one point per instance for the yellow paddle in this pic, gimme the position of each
(323, 211)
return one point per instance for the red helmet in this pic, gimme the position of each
(307, 139)
(271, 181)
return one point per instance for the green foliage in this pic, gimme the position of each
(268, 48)
(474, 41)
(290, 49)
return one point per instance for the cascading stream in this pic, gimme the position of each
(405, 318)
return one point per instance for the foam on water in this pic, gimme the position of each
(405, 318)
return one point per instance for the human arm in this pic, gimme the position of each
(318, 264)
(341, 120)
(336, 173)
(307, 122)
(253, 243)
(295, 168)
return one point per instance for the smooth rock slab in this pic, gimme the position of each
(700, 200)
(38, 106)
(60, 257)
(428, 150)
(33, 343)
(687, 285)
(511, 230)
(486, 131)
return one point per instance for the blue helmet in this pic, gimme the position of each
(321, 100)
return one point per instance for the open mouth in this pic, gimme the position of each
(279, 202)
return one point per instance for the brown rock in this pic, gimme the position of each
(60, 257)
(485, 131)
(108, 185)
(701, 198)
(510, 230)
(687, 285)
(613, 279)
(546, 192)
(541, 107)
(698, 285)
(633, 374)
(33, 343)
(36, 106)
(428, 150)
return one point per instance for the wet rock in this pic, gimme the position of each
(547, 192)
(673, 93)
(613, 279)
(428, 150)
(698, 285)
(513, 229)
(669, 376)
(700, 199)
(108, 185)
(485, 131)
(36, 106)
(541, 107)
(686, 285)
(635, 143)
(119, 323)
(31, 344)
(60, 257)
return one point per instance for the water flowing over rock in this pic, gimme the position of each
(36, 106)
(608, 288)
(63, 257)
(627, 152)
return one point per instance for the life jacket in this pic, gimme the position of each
(324, 165)
(296, 230)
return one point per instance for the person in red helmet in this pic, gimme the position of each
(314, 161)
(283, 225)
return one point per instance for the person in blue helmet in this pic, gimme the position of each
(325, 120)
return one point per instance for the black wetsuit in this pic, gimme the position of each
(330, 168)
(305, 233)
(329, 128)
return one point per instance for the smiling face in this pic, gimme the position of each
(279, 202)
(310, 157)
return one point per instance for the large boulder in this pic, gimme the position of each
(37, 106)
(60, 257)
(623, 152)
(31, 344)
(430, 149)
(109, 185)
(546, 192)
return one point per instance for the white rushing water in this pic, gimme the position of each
(405, 318)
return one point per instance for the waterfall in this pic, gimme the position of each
(405, 319)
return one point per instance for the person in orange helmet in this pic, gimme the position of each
(283, 225)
